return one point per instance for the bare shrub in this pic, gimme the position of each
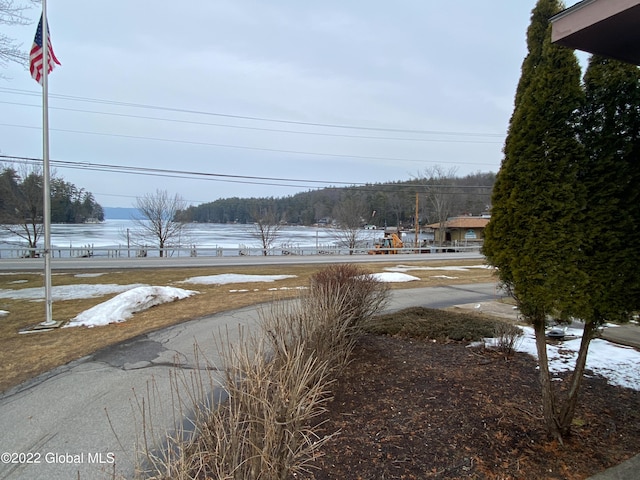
(265, 429)
(316, 323)
(329, 315)
(277, 382)
(507, 337)
(361, 294)
(274, 403)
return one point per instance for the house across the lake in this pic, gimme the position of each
(460, 230)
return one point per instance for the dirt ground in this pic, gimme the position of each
(414, 409)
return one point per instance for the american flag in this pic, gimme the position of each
(35, 57)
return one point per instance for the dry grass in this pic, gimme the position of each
(25, 356)
(277, 381)
(262, 431)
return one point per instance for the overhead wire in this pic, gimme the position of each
(173, 173)
(246, 117)
(271, 181)
(241, 147)
(245, 179)
(260, 129)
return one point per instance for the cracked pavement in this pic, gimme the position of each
(84, 420)
(93, 406)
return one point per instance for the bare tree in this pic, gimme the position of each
(266, 227)
(350, 214)
(158, 221)
(13, 14)
(438, 185)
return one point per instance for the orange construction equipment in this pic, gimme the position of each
(390, 244)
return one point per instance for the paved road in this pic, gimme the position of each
(89, 411)
(37, 264)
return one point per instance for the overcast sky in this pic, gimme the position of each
(320, 92)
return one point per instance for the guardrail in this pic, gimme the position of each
(215, 251)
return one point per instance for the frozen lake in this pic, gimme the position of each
(113, 234)
(110, 239)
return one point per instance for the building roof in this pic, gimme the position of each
(463, 222)
(610, 28)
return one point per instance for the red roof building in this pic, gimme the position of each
(460, 230)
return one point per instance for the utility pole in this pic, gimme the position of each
(417, 225)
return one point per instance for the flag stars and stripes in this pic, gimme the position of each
(36, 59)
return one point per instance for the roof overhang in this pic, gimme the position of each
(610, 28)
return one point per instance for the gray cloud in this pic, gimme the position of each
(410, 65)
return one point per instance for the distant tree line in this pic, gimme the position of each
(21, 197)
(380, 204)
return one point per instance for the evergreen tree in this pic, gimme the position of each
(9, 193)
(611, 173)
(535, 234)
(394, 202)
(21, 204)
(610, 132)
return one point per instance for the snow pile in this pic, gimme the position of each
(123, 306)
(617, 363)
(394, 277)
(408, 268)
(137, 298)
(225, 278)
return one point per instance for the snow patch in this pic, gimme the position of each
(226, 278)
(391, 277)
(617, 363)
(67, 292)
(123, 306)
(286, 288)
(465, 268)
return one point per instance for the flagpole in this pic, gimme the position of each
(45, 160)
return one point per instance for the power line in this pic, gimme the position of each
(246, 117)
(159, 172)
(245, 179)
(241, 147)
(243, 127)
